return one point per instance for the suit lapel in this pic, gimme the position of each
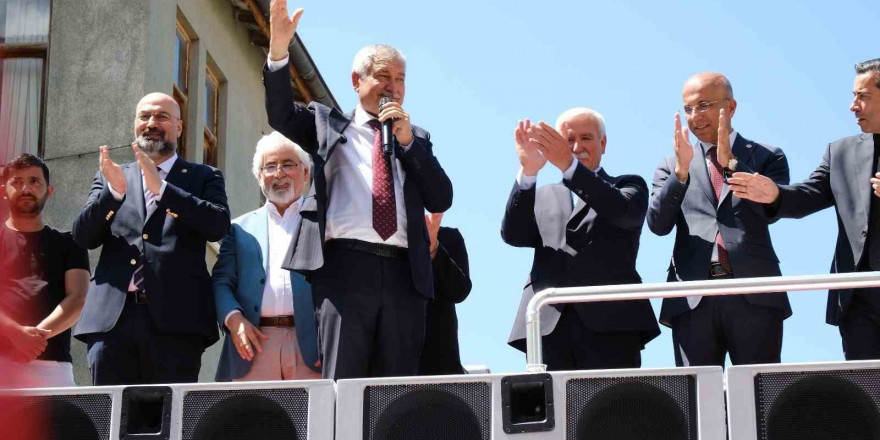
(551, 226)
(261, 232)
(135, 184)
(700, 174)
(176, 176)
(337, 123)
(742, 150)
(864, 169)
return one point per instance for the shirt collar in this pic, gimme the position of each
(166, 166)
(706, 147)
(290, 211)
(361, 117)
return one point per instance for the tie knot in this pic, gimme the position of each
(374, 124)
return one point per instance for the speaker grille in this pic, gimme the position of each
(632, 408)
(68, 417)
(442, 411)
(837, 404)
(266, 414)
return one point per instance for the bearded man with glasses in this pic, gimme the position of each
(718, 235)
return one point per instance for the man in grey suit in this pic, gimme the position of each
(843, 180)
(718, 235)
(585, 232)
(363, 242)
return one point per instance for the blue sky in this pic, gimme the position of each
(476, 67)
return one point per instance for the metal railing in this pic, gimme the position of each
(624, 292)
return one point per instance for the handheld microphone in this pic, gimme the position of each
(387, 130)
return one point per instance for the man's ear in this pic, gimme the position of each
(49, 191)
(355, 80)
(604, 142)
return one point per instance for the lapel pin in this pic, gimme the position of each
(183, 170)
(748, 145)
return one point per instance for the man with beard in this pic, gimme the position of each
(364, 242)
(43, 284)
(150, 310)
(844, 179)
(266, 310)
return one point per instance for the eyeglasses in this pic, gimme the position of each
(286, 168)
(702, 106)
(158, 117)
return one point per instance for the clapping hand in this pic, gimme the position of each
(530, 158)
(110, 170)
(552, 145)
(684, 151)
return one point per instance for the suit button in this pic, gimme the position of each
(146, 237)
(342, 139)
(133, 262)
(262, 281)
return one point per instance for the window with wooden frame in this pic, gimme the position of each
(24, 46)
(182, 48)
(212, 116)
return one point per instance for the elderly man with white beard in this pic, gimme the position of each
(266, 311)
(149, 313)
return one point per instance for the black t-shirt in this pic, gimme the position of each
(32, 267)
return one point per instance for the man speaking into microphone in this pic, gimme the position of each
(363, 241)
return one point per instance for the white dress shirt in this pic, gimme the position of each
(282, 230)
(349, 174)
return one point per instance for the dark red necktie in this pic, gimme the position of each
(717, 176)
(384, 204)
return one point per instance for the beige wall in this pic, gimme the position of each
(104, 55)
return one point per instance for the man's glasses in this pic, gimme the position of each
(286, 168)
(702, 106)
(158, 117)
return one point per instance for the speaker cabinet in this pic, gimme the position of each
(673, 404)
(278, 410)
(839, 401)
(59, 413)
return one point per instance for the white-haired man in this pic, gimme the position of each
(585, 232)
(267, 311)
(365, 245)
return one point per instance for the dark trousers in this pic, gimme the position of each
(136, 352)
(729, 324)
(572, 346)
(370, 313)
(860, 329)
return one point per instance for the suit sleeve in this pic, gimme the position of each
(208, 214)
(809, 196)
(520, 227)
(421, 165)
(224, 278)
(667, 194)
(775, 168)
(294, 121)
(92, 225)
(626, 205)
(452, 281)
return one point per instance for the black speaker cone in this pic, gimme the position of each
(632, 411)
(246, 417)
(428, 414)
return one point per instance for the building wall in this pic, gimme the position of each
(104, 55)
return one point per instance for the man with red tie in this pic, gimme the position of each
(363, 242)
(718, 235)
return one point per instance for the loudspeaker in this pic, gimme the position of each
(839, 401)
(59, 413)
(278, 410)
(663, 404)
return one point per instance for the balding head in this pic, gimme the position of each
(585, 133)
(157, 125)
(704, 95)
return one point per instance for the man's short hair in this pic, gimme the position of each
(275, 139)
(25, 160)
(572, 112)
(366, 58)
(872, 66)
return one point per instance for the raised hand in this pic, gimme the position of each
(530, 158)
(149, 170)
(552, 145)
(725, 154)
(684, 151)
(245, 336)
(401, 127)
(110, 170)
(432, 221)
(281, 28)
(754, 187)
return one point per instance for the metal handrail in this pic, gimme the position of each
(624, 292)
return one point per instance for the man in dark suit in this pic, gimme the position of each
(585, 232)
(149, 313)
(717, 235)
(843, 180)
(452, 284)
(362, 242)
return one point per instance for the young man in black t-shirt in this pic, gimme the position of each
(44, 278)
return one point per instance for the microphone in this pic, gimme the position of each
(387, 136)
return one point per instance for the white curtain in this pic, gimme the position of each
(27, 21)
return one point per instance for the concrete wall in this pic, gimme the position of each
(104, 55)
